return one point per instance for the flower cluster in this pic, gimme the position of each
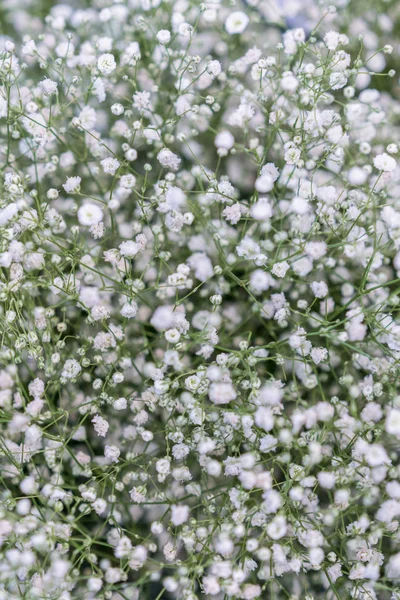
(199, 300)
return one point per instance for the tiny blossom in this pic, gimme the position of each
(280, 269)
(384, 162)
(164, 36)
(393, 422)
(264, 183)
(48, 87)
(72, 184)
(168, 159)
(111, 452)
(319, 288)
(71, 369)
(236, 22)
(90, 214)
(232, 213)
(214, 67)
(130, 249)
(392, 148)
(163, 466)
(222, 393)
(141, 100)
(129, 310)
(100, 425)
(110, 165)
(36, 388)
(106, 64)
(179, 514)
(224, 140)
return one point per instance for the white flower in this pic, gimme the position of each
(319, 288)
(392, 148)
(393, 568)
(111, 453)
(337, 80)
(393, 422)
(164, 36)
(277, 528)
(163, 466)
(292, 155)
(332, 40)
(384, 162)
(29, 48)
(36, 388)
(225, 140)
(236, 22)
(232, 213)
(264, 183)
(71, 369)
(248, 248)
(261, 210)
(169, 552)
(72, 185)
(48, 87)
(318, 355)
(263, 418)
(130, 249)
(214, 67)
(100, 425)
(129, 310)
(106, 64)
(110, 165)
(99, 313)
(89, 214)
(142, 101)
(179, 514)
(168, 159)
(88, 117)
(280, 269)
(222, 393)
(172, 336)
(289, 83)
(128, 181)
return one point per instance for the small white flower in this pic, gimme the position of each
(106, 64)
(225, 140)
(90, 214)
(72, 185)
(319, 288)
(179, 514)
(222, 393)
(168, 159)
(172, 336)
(163, 466)
(393, 422)
(110, 165)
(236, 22)
(384, 162)
(164, 36)
(101, 426)
(129, 310)
(111, 453)
(48, 87)
(71, 369)
(280, 269)
(264, 183)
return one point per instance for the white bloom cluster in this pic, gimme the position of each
(199, 300)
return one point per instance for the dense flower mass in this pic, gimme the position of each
(199, 300)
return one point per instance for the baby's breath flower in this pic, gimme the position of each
(199, 266)
(106, 64)
(236, 22)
